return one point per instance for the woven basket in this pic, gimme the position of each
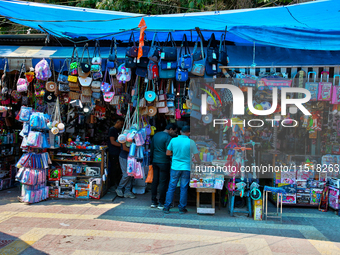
(74, 95)
(86, 91)
(74, 86)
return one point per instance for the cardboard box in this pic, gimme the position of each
(82, 190)
(289, 199)
(53, 192)
(66, 191)
(95, 188)
(289, 188)
(54, 174)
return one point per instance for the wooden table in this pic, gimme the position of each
(206, 209)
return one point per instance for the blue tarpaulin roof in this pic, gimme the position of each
(313, 25)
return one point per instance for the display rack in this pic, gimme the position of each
(74, 183)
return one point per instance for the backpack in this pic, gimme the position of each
(123, 74)
(42, 70)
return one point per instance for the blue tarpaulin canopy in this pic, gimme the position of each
(313, 25)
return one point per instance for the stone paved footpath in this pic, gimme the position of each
(129, 226)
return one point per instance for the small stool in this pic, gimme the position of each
(206, 209)
(279, 192)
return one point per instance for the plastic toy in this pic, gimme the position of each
(230, 146)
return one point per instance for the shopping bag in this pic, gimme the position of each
(149, 179)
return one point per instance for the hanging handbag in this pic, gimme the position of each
(130, 62)
(167, 73)
(184, 61)
(211, 69)
(212, 50)
(142, 72)
(182, 75)
(96, 60)
(198, 57)
(62, 87)
(145, 49)
(51, 86)
(84, 68)
(74, 62)
(61, 77)
(105, 87)
(153, 72)
(22, 83)
(143, 62)
(132, 51)
(155, 49)
(150, 95)
(162, 95)
(113, 55)
(198, 54)
(169, 53)
(222, 54)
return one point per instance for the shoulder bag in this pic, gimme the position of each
(222, 54)
(169, 53)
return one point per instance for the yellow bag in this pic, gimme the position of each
(152, 130)
(72, 78)
(149, 179)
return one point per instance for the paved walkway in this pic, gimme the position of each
(129, 226)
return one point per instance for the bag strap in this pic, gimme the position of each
(62, 67)
(132, 36)
(155, 40)
(96, 49)
(185, 44)
(222, 43)
(201, 43)
(22, 69)
(86, 47)
(74, 57)
(171, 40)
(52, 69)
(104, 79)
(113, 44)
(212, 41)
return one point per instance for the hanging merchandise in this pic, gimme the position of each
(211, 63)
(22, 83)
(126, 127)
(131, 53)
(155, 49)
(184, 62)
(325, 88)
(108, 95)
(223, 58)
(84, 68)
(336, 91)
(153, 72)
(150, 95)
(74, 62)
(198, 59)
(42, 70)
(168, 62)
(123, 74)
(51, 86)
(312, 87)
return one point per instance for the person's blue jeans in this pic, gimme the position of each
(175, 175)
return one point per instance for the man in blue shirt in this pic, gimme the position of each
(161, 164)
(180, 148)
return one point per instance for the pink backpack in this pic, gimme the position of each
(42, 70)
